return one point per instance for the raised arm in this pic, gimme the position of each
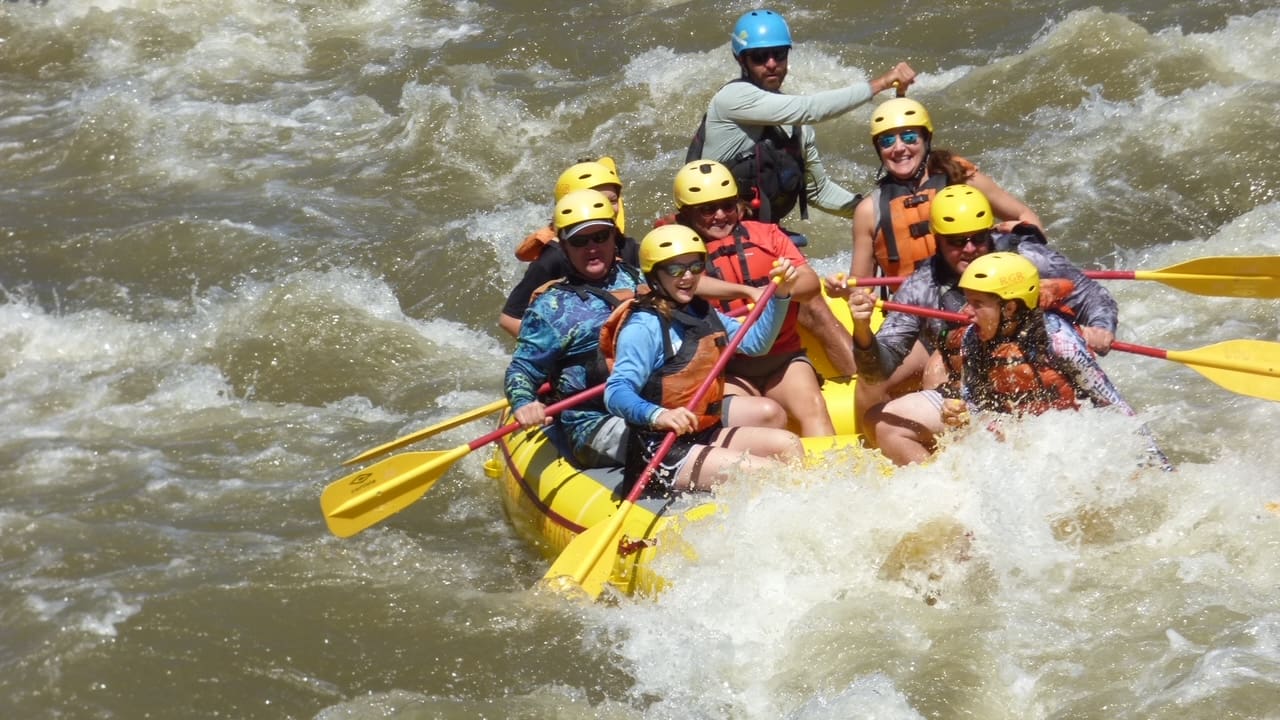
(1009, 210)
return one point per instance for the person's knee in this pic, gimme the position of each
(772, 415)
(790, 447)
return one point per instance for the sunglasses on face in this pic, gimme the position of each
(762, 56)
(959, 241)
(710, 209)
(677, 270)
(599, 238)
(908, 137)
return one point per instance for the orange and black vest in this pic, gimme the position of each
(1024, 379)
(1021, 374)
(1053, 293)
(534, 243)
(902, 237)
(683, 371)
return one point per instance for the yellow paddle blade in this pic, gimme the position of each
(1246, 277)
(425, 433)
(1248, 367)
(366, 498)
(587, 562)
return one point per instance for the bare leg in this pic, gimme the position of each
(816, 316)
(905, 428)
(746, 449)
(798, 393)
(903, 380)
(752, 411)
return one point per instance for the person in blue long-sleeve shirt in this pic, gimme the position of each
(560, 332)
(663, 350)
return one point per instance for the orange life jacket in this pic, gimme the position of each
(534, 243)
(902, 239)
(1022, 376)
(675, 383)
(1053, 293)
(1022, 383)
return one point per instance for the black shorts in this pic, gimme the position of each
(645, 443)
(761, 372)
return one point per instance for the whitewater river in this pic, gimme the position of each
(243, 240)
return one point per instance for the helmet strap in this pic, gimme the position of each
(924, 162)
(656, 288)
(1012, 318)
(1009, 319)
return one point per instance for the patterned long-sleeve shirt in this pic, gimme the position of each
(559, 337)
(935, 285)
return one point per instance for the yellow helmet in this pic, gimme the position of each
(590, 175)
(704, 181)
(1006, 274)
(586, 176)
(960, 210)
(899, 113)
(666, 242)
(576, 209)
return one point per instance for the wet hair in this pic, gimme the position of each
(657, 296)
(944, 162)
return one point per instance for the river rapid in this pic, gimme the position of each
(243, 240)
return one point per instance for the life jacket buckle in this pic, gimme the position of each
(914, 200)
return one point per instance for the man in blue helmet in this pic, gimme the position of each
(766, 138)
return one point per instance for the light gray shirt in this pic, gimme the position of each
(740, 112)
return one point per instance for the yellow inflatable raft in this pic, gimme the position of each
(549, 501)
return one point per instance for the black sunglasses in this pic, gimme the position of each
(728, 207)
(762, 56)
(959, 241)
(599, 238)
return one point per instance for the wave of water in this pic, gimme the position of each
(243, 241)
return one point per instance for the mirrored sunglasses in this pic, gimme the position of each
(908, 137)
(677, 270)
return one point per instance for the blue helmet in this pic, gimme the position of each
(760, 29)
